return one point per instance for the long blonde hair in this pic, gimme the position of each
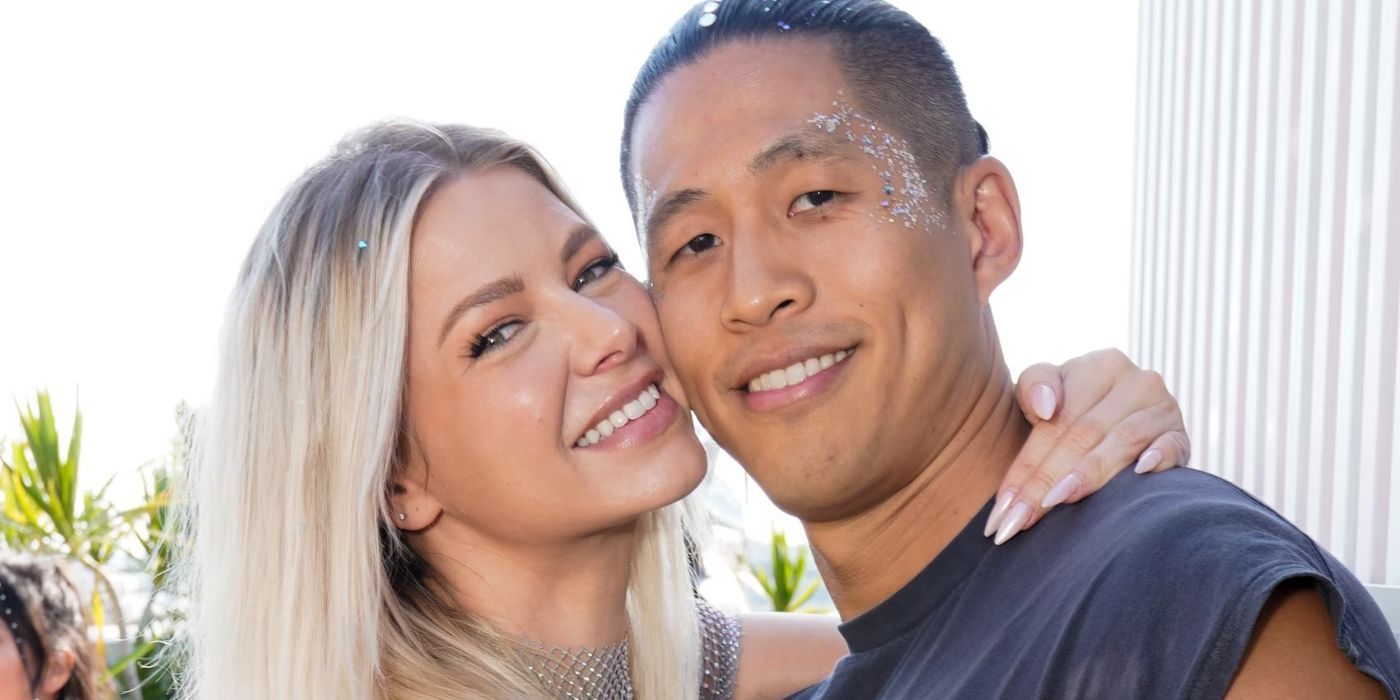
(302, 586)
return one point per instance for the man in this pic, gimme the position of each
(823, 233)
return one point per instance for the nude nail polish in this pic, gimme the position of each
(1015, 520)
(1043, 401)
(1148, 461)
(1062, 491)
(998, 512)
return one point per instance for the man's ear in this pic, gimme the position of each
(990, 211)
(57, 670)
(412, 506)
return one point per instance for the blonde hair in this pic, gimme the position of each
(303, 587)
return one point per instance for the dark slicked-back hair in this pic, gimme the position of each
(899, 72)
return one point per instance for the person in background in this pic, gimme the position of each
(45, 653)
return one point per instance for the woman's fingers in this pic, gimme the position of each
(1137, 423)
(1038, 390)
(1170, 450)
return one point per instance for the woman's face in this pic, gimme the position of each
(540, 401)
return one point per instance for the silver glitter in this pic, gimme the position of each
(893, 161)
(719, 652)
(582, 673)
(605, 674)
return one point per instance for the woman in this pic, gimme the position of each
(44, 649)
(401, 496)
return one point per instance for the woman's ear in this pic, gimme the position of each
(987, 196)
(57, 670)
(412, 506)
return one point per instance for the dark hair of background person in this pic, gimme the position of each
(58, 617)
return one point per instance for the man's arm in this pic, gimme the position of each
(1293, 652)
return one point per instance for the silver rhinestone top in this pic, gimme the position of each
(719, 652)
(605, 674)
(582, 673)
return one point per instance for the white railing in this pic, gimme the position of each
(1266, 253)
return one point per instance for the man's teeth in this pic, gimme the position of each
(630, 411)
(796, 372)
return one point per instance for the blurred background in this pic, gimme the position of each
(1207, 185)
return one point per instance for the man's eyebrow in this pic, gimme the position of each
(578, 238)
(495, 291)
(798, 147)
(667, 208)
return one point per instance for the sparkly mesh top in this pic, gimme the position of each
(719, 652)
(604, 674)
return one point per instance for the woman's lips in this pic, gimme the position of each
(636, 423)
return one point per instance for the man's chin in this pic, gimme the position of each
(795, 479)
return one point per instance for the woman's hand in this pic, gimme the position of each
(1091, 418)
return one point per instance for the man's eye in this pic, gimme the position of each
(697, 245)
(597, 271)
(495, 338)
(811, 200)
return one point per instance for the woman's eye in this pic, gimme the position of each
(495, 338)
(596, 271)
(811, 200)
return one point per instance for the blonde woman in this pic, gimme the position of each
(447, 456)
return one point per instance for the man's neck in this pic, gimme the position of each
(868, 557)
(567, 594)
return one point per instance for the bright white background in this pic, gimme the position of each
(141, 145)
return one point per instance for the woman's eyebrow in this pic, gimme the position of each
(489, 293)
(581, 236)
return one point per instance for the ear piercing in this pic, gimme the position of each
(401, 517)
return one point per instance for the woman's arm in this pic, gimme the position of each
(782, 653)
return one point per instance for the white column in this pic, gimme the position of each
(1266, 253)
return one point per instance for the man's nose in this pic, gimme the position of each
(765, 282)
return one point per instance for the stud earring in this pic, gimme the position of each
(401, 517)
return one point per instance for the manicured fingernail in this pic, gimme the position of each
(1148, 461)
(1015, 520)
(1043, 401)
(998, 511)
(1062, 491)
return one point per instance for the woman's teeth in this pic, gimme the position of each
(796, 372)
(630, 411)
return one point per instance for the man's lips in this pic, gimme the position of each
(790, 367)
(807, 388)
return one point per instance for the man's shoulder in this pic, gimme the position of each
(1183, 535)
(1193, 559)
(1184, 509)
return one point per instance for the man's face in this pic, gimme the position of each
(816, 297)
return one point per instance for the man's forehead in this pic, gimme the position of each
(734, 101)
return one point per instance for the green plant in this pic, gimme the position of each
(782, 582)
(149, 524)
(45, 513)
